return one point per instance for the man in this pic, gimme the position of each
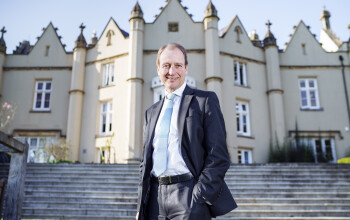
(185, 156)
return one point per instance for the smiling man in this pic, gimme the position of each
(185, 156)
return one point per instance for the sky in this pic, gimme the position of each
(25, 19)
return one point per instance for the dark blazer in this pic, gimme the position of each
(202, 133)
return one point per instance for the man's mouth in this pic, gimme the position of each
(172, 78)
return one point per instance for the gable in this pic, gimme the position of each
(303, 48)
(235, 40)
(189, 33)
(111, 42)
(48, 38)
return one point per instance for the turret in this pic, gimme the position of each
(76, 95)
(135, 86)
(274, 88)
(212, 50)
(325, 15)
(2, 57)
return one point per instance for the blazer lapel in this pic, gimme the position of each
(185, 103)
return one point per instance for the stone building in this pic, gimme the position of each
(96, 95)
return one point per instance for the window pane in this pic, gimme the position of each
(302, 83)
(244, 108)
(48, 85)
(311, 83)
(237, 121)
(329, 153)
(47, 100)
(104, 123)
(239, 156)
(303, 98)
(40, 86)
(110, 122)
(104, 107)
(41, 142)
(33, 142)
(312, 98)
(38, 100)
(235, 70)
(246, 157)
(112, 72)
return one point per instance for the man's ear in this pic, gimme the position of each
(158, 69)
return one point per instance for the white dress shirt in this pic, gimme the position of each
(175, 163)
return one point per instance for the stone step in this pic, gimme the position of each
(237, 180)
(132, 205)
(74, 217)
(93, 174)
(262, 191)
(80, 205)
(35, 198)
(79, 211)
(257, 194)
(281, 218)
(289, 213)
(244, 213)
(300, 206)
(133, 188)
(292, 200)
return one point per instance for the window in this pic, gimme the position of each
(238, 31)
(35, 152)
(109, 35)
(106, 118)
(308, 94)
(173, 27)
(240, 73)
(323, 148)
(47, 50)
(42, 95)
(244, 156)
(108, 74)
(242, 118)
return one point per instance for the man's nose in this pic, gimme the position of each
(172, 70)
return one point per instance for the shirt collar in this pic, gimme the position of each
(179, 91)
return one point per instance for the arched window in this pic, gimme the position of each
(109, 35)
(238, 31)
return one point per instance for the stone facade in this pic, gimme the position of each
(96, 95)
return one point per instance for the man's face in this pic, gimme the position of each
(172, 69)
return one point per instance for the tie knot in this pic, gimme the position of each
(170, 96)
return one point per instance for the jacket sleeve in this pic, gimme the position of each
(139, 200)
(217, 160)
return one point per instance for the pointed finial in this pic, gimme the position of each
(82, 27)
(3, 31)
(2, 41)
(269, 38)
(81, 42)
(211, 11)
(268, 24)
(137, 11)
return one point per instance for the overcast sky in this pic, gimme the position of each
(24, 19)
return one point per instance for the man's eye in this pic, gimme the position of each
(166, 66)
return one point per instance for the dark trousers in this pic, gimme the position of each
(176, 202)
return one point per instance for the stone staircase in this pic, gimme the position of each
(262, 191)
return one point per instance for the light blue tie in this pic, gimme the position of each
(161, 151)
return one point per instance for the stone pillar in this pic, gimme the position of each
(212, 51)
(76, 95)
(2, 57)
(274, 88)
(135, 83)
